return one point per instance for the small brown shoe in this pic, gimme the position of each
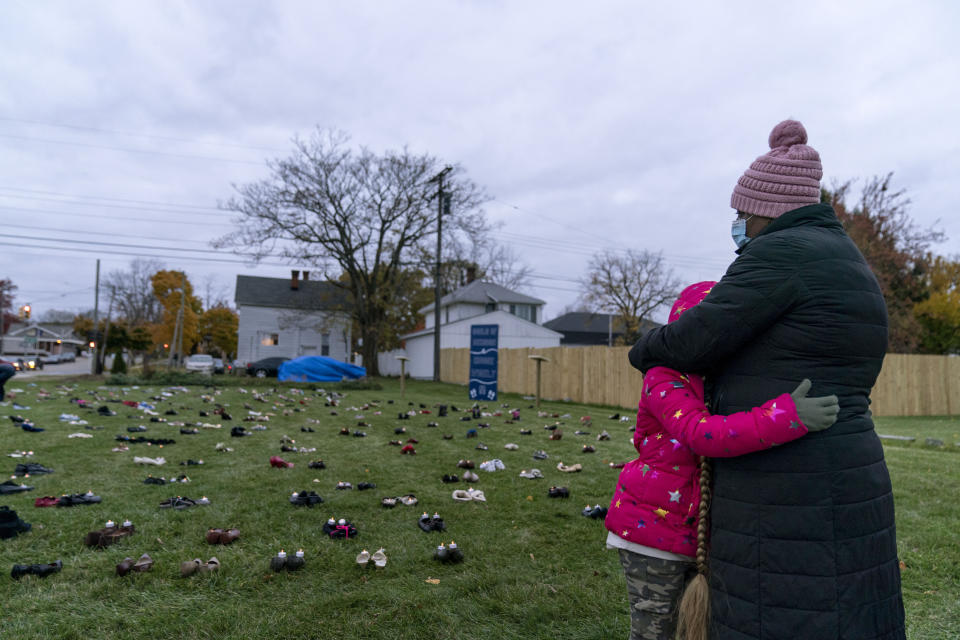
(229, 535)
(210, 565)
(143, 564)
(189, 567)
(123, 568)
(213, 535)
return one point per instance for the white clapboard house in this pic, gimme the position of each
(291, 317)
(517, 315)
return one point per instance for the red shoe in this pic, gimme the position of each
(408, 449)
(280, 463)
(46, 501)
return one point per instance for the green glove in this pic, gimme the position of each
(816, 413)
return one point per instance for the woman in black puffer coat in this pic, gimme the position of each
(803, 542)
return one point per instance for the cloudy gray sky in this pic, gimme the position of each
(593, 125)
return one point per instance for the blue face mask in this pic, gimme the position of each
(738, 231)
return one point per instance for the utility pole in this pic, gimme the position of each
(95, 352)
(436, 275)
(102, 353)
(183, 295)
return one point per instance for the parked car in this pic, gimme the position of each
(68, 356)
(202, 362)
(50, 359)
(218, 366)
(265, 368)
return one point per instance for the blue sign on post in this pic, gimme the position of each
(484, 339)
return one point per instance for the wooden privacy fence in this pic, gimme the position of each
(909, 385)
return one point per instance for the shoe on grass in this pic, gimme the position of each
(379, 558)
(363, 558)
(11, 486)
(470, 476)
(466, 464)
(573, 468)
(448, 479)
(364, 486)
(589, 448)
(511, 446)
(190, 567)
(144, 563)
(10, 523)
(388, 503)
(462, 495)
(531, 474)
(558, 492)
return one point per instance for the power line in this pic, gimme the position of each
(73, 195)
(126, 150)
(141, 135)
(98, 233)
(115, 206)
(75, 214)
(139, 254)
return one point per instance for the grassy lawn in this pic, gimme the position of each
(534, 567)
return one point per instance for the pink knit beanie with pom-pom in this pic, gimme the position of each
(786, 178)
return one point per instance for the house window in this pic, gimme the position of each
(491, 306)
(524, 311)
(324, 344)
(270, 339)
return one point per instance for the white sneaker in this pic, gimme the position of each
(511, 446)
(531, 474)
(461, 495)
(476, 494)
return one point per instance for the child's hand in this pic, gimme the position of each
(816, 414)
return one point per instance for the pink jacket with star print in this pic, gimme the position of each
(657, 497)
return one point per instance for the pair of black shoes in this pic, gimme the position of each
(10, 486)
(30, 468)
(41, 570)
(305, 499)
(28, 426)
(77, 498)
(363, 486)
(431, 523)
(558, 492)
(448, 555)
(339, 529)
(450, 478)
(106, 411)
(596, 512)
(402, 416)
(238, 432)
(316, 464)
(189, 432)
(10, 524)
(137, 429)
(307, 429)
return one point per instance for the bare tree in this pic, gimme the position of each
(501, 265)
(632, 285)
(214, 293)
(132, 291)
(357, 217)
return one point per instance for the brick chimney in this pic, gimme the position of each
(471, 274)
(294, 280)
(306, 276)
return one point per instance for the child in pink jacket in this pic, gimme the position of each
(656, 518)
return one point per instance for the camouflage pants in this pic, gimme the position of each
(655, 587)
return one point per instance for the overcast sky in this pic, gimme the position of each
(593, 125)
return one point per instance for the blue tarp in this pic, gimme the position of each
(318, 369)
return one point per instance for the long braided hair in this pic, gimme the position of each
(693, 616)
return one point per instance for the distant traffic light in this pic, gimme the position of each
(26, 311)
